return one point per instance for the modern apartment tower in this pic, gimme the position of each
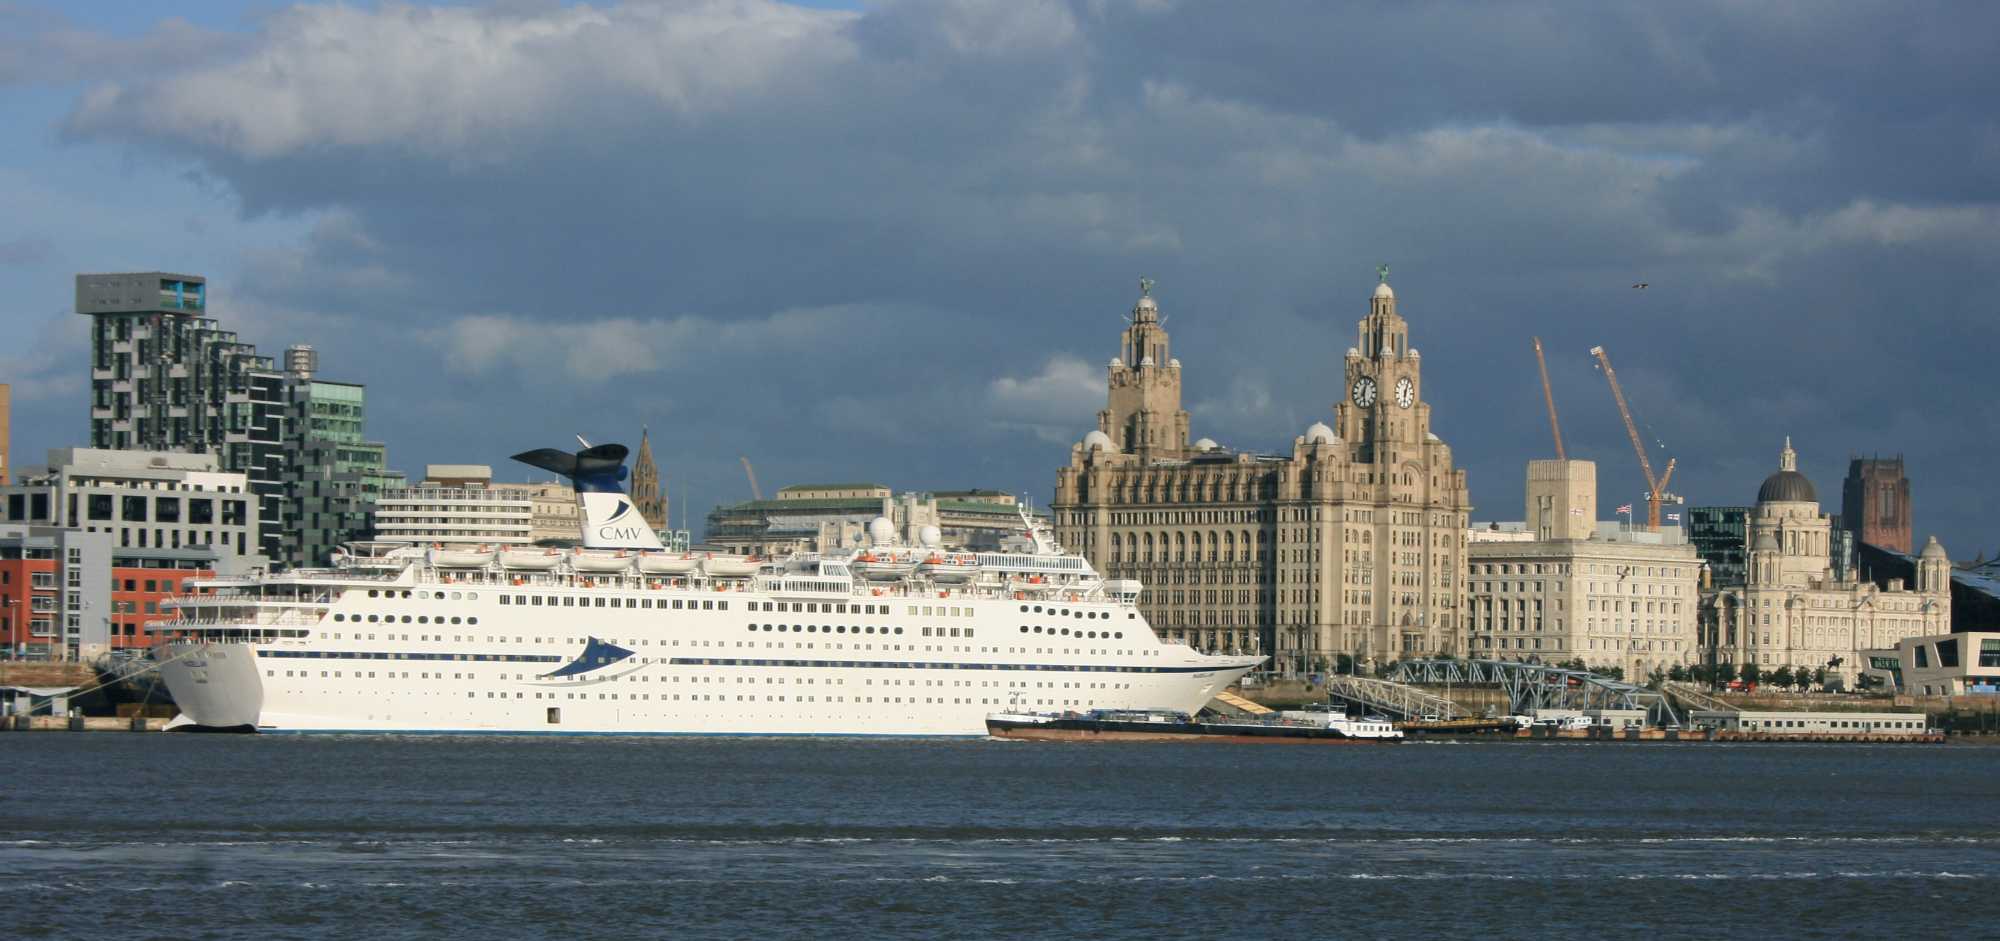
(167, 377)
(6, 430)
(333, 474)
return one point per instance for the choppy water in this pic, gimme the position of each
(152, 836)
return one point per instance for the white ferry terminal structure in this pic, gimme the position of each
(622, 636)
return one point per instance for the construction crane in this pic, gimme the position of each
(1549, 396)
(1656, 488)
(750, 472)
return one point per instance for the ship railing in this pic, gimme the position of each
(282, 619)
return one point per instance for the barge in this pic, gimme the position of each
(1166, 725)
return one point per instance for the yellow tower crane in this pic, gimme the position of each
(1656, 488)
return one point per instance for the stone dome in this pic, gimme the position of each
(1319, 433)
(1932, 550)
(1787, 486)
(1173, 363)
(1096, 441)
(1206, 444)
(1382, 290)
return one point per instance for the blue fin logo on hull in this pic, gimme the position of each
(596, 656)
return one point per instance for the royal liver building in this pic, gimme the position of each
(1351, 543)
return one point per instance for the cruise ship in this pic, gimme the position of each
(624, 636)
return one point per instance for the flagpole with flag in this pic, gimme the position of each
(1626, 509)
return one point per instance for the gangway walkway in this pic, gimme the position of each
(1532, 687)
(1244, 705)
(1405, 702)
(1694, 697)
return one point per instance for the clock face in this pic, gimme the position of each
(1364, 392)
(1406, 392)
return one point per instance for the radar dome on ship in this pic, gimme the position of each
(931, 537)
(881, 531)
(1206, 444)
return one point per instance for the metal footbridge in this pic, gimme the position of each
(1392, 699)
(1532, 687)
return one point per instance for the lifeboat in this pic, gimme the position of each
(949, 569)
(585, 560)
(539, 560)
(731, 566)
(660, 563)
(461, 558)
(881, 568)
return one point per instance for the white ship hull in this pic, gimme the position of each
(450, 659)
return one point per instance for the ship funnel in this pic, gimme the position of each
(610, 521)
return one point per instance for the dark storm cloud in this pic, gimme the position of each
(895, 243)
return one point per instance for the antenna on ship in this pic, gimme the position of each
(586, 444)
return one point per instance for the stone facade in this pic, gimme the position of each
(1628, 604)
(1353, 542)
(1794, 611)
(1575, 589)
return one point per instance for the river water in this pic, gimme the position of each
(175, 836)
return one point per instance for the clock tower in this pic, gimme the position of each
(1383, 406)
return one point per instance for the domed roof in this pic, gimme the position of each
(1787, 486)
(1206, 444)
(1319, 433)
(1096, 440)
(1765, 542)
(1382, 290)
(1932, 550)
(1174, 363)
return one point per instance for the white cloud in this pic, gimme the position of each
(599, 350)
(1055, 404)
(460, 81)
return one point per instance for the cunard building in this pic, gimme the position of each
(1353, 542)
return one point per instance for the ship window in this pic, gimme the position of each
(927, 632)
(372, 619)
(708, 606)
(340, 617)
(503, 599)
(471, 620)
(1024, 628)
(535, 599)
(373, 593)
(406, 619)
(899, 630)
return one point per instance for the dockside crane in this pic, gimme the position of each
(1656, 488)
(1549, 396)
(751, 472)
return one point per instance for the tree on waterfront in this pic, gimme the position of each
(1782, 677)
(1819, 678)
(1678, 673)
(1725, 672)
(1752, 673)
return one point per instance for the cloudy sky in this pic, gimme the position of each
(893, 241)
